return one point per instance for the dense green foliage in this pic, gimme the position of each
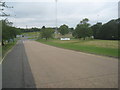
(107, 31)
(96, 30)
(83, 29)
(31, 30)
(63, 29)
(46, 33)
(8, 31)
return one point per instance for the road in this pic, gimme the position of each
(54, 67)
(33, 64)
(16, 72)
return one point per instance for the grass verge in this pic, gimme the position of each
(0, 53)
(7, 47)
(79, 45)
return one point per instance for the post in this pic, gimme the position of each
(56, 29)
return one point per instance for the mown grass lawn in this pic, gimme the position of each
(100, 47)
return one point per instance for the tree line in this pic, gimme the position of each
(83, 30)
(107, 31)
(33, 29)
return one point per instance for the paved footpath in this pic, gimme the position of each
(16, 72)
(54, 67)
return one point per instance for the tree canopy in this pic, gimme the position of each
(83, 29)
(96, 30)
(63, 29)
(107, 31)
(8, 31)
(46, 33)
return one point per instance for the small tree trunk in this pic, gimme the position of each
(46, 38)
(3, 43)
(8, 41)
(84, 38)
(13, 40)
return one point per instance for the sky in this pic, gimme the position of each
(38, 13)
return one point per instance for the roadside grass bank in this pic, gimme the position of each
(0, 53)
(7, 47)
(99, 47)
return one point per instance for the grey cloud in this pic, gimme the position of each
(70, 13)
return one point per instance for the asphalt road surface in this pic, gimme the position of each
(32, 64)
(16, 72)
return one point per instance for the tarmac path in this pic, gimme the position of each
(16, 71)
(54, 67)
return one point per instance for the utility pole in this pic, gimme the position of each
(56, 28)
(56, 17)
(26, 26)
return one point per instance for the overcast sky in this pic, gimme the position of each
(38, 13)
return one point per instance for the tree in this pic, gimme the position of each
(63, 29)
(3, 4)
(8, 32)
(83, 29)
(43, 27)
(84, 21)
(109, 31)
(71, 30)
(46, 33)
(35, 29)
(96, 30)
(118, 21)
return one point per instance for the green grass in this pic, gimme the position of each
(100, 47)
(7, 47)
(0, 53)
(32, 34)
(63, 36)
(32, 38)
